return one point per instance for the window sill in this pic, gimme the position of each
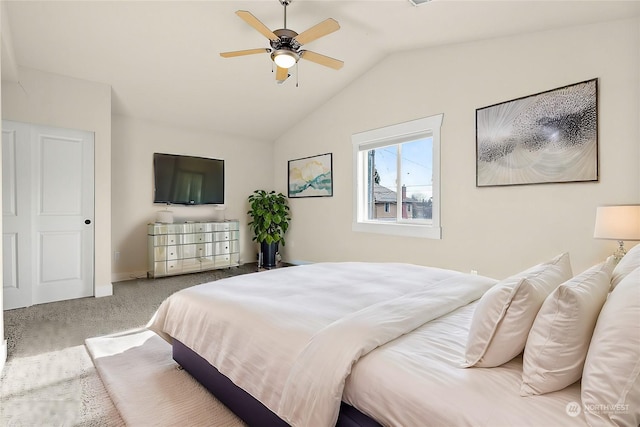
(404, 230)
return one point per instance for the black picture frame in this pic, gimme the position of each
(548, 137)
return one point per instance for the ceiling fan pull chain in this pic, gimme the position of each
(297, 74)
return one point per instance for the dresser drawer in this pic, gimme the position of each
(159, 268)
(235, 258)
(163, 253)
(225, 226)
(165, 240)
(221, 248)
(202, 227)
(221, 236)
(181, 239)
(204, 250)
(207, 263)
(203, 237)
(190, 265)
(226, 260)
(174, 266)
(187, 251)
(222, 260)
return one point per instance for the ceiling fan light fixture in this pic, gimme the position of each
(286, 44)
(285, 58)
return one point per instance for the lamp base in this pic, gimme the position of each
(620, 252)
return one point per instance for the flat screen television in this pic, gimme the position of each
(187, 180)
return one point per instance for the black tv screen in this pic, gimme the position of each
(188, 180)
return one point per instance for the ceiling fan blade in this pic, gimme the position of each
(336, 64)
(327, 26)
(244, 52)
(281, 74)
(256, 24)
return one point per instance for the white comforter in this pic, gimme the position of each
(422, 372)
(289, 337)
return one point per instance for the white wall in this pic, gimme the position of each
(500, 230)
(3, 343)
(55, 100)
(248, 166)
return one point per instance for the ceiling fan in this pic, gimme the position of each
(286, 44)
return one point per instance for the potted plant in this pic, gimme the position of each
(269, 221)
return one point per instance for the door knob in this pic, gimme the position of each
(87, 221)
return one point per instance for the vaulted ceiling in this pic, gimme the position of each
(163, 64)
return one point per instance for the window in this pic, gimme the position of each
(397, 179)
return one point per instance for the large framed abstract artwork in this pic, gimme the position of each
(311, 176)
(548, 137)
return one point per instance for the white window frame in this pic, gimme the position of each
(393, 135)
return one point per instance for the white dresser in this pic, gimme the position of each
(192, 246)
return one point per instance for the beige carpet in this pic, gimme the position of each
(148, 388)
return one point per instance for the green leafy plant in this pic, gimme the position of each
(269, 216)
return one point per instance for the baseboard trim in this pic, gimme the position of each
(103, 291)
(121, 277)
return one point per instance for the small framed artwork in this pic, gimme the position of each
(549, 137)
(311, 176)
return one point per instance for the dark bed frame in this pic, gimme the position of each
(245, 406)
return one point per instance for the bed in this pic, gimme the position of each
(351, 344)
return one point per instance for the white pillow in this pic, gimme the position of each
(610, 380)
(627, 264)
(505, 313)
(559, 338)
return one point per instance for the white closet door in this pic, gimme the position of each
(60, 216)
(16, 215)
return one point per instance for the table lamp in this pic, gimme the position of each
(621, 222)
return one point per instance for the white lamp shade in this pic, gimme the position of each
(285, 60)
(618, 222)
